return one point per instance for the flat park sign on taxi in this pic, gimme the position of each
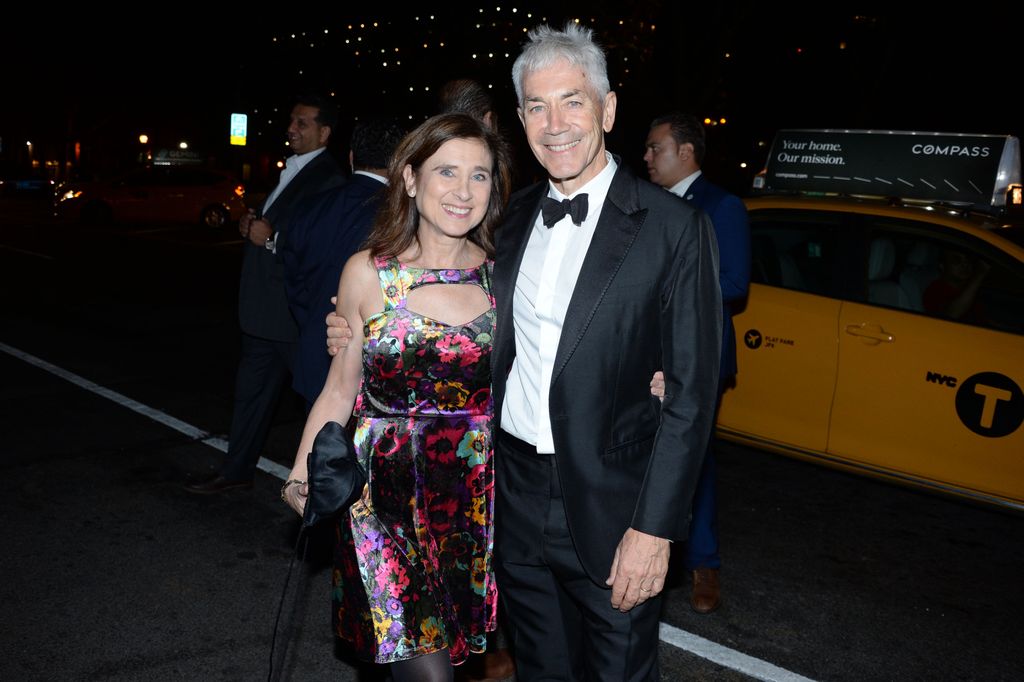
(972, 169)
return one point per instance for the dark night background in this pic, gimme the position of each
(176, 74)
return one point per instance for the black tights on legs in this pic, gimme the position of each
(435, 667)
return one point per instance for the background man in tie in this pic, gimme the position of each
(268, 330)
(675, 152)
(594, 477)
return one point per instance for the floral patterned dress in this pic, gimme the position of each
(413, 564)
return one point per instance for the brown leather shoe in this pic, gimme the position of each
(217, 484)
(496, 665)
(499, 665)
(706, 594)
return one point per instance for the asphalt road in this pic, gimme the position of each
(112, 572)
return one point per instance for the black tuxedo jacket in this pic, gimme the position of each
(647, 298)
(262, 305)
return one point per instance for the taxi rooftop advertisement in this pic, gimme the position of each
(955, 168)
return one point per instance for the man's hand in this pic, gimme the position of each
(338, 332)
(658, 385)
(638, 569)
(245, 222)
(260, 231)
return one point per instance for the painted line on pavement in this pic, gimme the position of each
(167, 420)
(26, 252)
(681, 639)
(726, 657)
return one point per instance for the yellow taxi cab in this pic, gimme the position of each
(884, 330)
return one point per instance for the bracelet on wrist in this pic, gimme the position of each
(290, 482)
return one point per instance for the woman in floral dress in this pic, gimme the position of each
(413, 585)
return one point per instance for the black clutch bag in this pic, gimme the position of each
(335, 480)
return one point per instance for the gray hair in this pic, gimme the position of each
(575, 44)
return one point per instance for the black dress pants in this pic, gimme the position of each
(264, 369)
(563, 626)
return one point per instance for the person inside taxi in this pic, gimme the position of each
(954, 293)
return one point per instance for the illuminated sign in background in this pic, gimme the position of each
(239, 128)
(931, 166)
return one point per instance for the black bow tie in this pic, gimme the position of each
(554, 210)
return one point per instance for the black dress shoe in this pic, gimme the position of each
(217, 484)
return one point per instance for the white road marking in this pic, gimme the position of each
(681, 639)
(27, 253)
(271, 467)
(726, 657)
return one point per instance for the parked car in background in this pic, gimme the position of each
(884, 331)
(185, 194)
(26, 185)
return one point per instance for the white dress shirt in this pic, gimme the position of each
(378, 178)
(679, 189)
(292, 165)
(547, 277)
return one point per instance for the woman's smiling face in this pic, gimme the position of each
(452, 187)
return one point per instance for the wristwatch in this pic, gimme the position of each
(287, 484)
(270, 243)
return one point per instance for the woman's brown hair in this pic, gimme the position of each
(397, 222)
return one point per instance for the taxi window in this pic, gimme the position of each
(795, 250)
(944, 274)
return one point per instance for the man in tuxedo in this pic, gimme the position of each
(331, 227)
(600, 278)
(269, 332)
(675, 152)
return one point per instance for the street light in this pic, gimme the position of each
(145, 156)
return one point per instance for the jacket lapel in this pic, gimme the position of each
(695, 193)
(307, 175)
(621, 218)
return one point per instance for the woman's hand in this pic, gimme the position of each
(294, 493)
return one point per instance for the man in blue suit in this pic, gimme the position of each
(675, 151)
(333, 225)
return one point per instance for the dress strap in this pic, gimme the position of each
(486, 273)
(394, 282)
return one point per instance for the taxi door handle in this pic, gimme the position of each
(871, 333)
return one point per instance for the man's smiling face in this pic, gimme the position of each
(565, 122)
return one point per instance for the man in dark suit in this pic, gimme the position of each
(601, 278)
(675, 152)
(268, 330)
(331, 227)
